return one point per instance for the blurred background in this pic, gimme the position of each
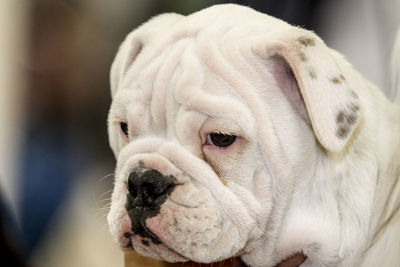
(56, 169)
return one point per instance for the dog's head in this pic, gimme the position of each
(220, 123)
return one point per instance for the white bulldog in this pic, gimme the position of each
(237, 134)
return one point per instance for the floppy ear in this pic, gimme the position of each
(325, 85)
(134, 43)
(127, 53)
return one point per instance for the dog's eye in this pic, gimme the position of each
(124, 128)
(221, 140)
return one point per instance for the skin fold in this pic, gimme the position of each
(307, 168)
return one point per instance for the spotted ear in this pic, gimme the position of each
(327, 84)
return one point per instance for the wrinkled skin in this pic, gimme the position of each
(300, 177)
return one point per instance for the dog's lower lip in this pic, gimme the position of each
(154, 238)
(129, 246)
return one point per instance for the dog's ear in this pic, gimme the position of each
(127, 53)
(134, 43)
(317, 81)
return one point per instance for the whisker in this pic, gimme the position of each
(104, 197)
(102, 212)
(103, 208)
(105, 193)
(106, 177)
(102, 200)
(106, 205)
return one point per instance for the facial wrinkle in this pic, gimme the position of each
(163, 83)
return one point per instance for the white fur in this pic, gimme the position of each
(315, 167)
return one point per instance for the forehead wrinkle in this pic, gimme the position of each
(193, 92)
(217, 60)
(182, 81)
(163, 82)
(191, 78)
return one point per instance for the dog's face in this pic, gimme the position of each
(188, 171)
(220, 133)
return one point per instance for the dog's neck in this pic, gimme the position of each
(364, 179)
(387, 151)
(385, 219)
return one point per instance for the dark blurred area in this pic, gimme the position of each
(63, 165)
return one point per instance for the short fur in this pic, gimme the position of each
(315, 168)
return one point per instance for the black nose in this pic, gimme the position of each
(147, 186)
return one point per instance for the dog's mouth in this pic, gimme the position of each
(170, 234)
(150, 240)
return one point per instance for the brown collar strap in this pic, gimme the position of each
(293, 261)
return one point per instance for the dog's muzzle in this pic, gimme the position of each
(147, 191)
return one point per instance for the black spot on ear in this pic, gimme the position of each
(336, 80)
(342, 131)
(303, 57)
(345, 119)
(145, 242)
(312, 73)
(306, 41)
(354, 107)
(340, 117)
(352, 118)
(353, 94)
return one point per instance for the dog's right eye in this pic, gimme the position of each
(124, 128)
(221, 140)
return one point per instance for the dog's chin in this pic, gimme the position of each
(147, 248)
(180, 234)
(160, 251)
(163, 253)
(189, 226)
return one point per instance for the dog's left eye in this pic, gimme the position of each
(221, 140)
(124, 128)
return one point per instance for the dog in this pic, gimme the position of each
(239, 135)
